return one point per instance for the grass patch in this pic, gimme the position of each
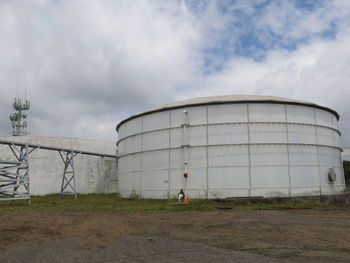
(113, 202)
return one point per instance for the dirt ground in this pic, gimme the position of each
(181, 236)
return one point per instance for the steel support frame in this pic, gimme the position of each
(14, 175)
(68, 186)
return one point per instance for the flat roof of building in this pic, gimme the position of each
(227, 99)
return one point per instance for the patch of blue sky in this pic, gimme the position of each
(331, 32)
(248, 45)
(309, 5)
(260, 5)
(197, 7)
(213, 62)
(243, 35)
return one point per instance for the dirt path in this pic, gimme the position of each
(187, 236)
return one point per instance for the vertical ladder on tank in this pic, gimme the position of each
(68, 186)
(185, 145)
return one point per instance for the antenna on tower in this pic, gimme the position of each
(18, 118)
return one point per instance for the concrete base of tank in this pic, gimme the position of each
(333, 199)
(327, 189)
(93, 174)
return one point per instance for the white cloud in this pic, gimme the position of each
(85, 60)
(89, 64)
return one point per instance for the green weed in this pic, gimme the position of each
(113, 202)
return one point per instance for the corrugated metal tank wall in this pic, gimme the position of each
(231, 150)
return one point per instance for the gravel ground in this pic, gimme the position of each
(312, 236)
(130, 249)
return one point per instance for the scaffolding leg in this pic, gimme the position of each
(14, 175)
(68, 186)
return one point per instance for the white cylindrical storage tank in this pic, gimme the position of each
(231, 146)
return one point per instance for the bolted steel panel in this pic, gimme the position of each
(228, 155)
(156, 121)
(121, 132)
(131, 144)
(197, 179)
(304, 176)
(329, 156)
(301, 134)
(259, 112)
(155, 140)
(197, 157)
(267, 133)
(269, 176)
(227, 113)
(228, 134)
(155, 160)
(269, 155)
(133, 126)
(326, 137)
(228, 178)
(176, 158)
(303, 155)
(196, 136)
(155, 180)
(300, 114)
(323, 118)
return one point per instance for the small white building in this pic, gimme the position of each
(93, 174)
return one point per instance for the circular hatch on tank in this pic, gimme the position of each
(331, 176)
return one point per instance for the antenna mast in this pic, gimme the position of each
(19, 124)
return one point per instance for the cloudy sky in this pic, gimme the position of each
(87, 64)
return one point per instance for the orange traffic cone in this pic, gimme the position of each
(185, 201)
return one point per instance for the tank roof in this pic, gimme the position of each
(227, 99)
